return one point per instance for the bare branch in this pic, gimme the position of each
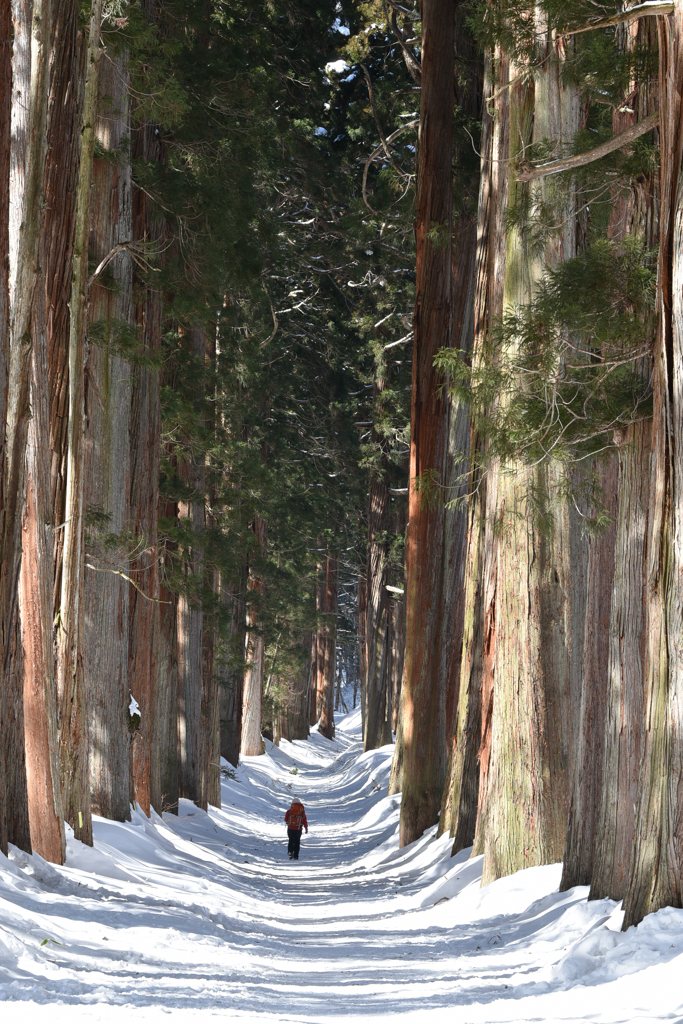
(412, 63)
(639, 11)
(529, 173)
(375, 154)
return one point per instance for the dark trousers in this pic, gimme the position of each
(294, 842)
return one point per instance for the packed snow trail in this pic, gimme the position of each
(203, 916)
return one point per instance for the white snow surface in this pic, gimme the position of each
(203, 916)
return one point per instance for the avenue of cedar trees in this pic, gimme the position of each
(341, 349)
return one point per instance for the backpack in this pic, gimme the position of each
(296, 816)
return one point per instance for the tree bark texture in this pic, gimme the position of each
(252, 700)
(106, 594)
(655, 878)
(470, 745)
(32, 41)
(524, 813)
(362, 650)
(192, 648)
(327, 645)
(424, 734)
(587, 766)
(377, 627)
(231, 671)
(70, 680)
(144, 480)
(5, 610)
(164, 735)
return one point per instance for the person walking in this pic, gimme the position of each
(295, 820)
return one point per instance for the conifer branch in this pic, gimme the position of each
(639, 11)
(529, 173)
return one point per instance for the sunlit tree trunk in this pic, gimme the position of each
(612, 718)
(30, 56)
(424, 696)
(655, 877)
(107, 451)
(145, 444)
(523, 813)
(378, 607)
(70, 681)
(252, 701)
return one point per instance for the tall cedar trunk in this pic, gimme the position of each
(398, 622)
(164, 737)
(61, 190)
(70, 681)
(423, 717)
(471, 760)
(459, 808)
(231, 671)
(456, 521)
(313, 689)
(362, 648)
(252, 700)
(608, 795)
(327, 646)
(107, 453)
(32, 30)
(192, 648)
(378, 605)
(5, 608)
(655, 878)
(144, 481)
(587, 766)
(36, 587)
(523, 814)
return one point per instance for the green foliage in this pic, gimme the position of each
(559, 376)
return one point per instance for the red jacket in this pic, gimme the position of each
(296, 817)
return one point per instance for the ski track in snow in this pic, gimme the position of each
(203, 916)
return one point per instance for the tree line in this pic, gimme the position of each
(225, 479)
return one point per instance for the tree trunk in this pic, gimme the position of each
(327, 646)
(32, 39)
(164, 738)
(6, 794)
(70, 681)
(472, 747)
(362, 649)
(144, 480)
(524, 806)
(107, 453)
(424, 734)
(231, 672)
(378, 606)
(655, 878)
(602, 819)
(587, 766)
(294, 715)
(252, 700)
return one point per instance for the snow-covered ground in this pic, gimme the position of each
(203, 916)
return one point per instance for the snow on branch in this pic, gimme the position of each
(529, 173)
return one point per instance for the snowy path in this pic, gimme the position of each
(203, 916)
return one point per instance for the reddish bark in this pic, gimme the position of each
(423, 724)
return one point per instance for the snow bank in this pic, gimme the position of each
(202, 915)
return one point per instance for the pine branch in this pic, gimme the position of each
(639, 11)
(529, 173)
